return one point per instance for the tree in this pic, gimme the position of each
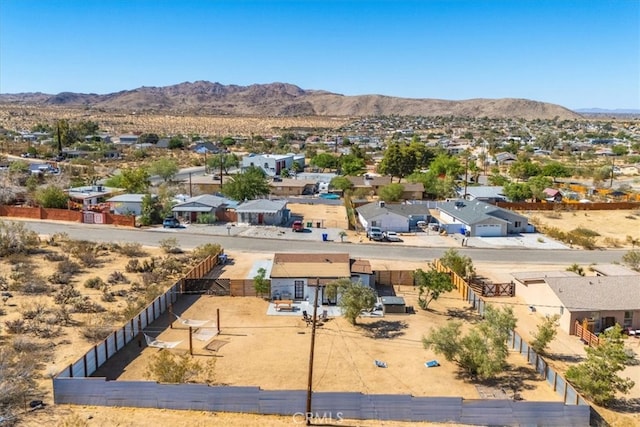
(260, 283)
(597, 377)
(537, 185)
(392, 192)
(556, 170)
(248, 185)
(354, 297)
(133, 180)
(150, 210)
(517, 191)
(483, 351)
(175, 143)
(341, 183)
(431, 284)
(634, 241)
(632, 259)
(547, 141)
(52, 197)
(399, 160)
(524, 169)
(546, 332)
(324, 161)
(351, 165)
(459, 264)
(225, 161)
(148, 138)
(165, 168)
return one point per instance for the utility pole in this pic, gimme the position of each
(313, 344)
(221, 165)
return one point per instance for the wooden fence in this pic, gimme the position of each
(586, 335)
(394, 277)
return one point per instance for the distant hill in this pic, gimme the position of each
(282, 99)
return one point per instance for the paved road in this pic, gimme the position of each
(191, 239)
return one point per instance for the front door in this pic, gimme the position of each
(298, 290)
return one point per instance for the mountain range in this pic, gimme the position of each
(283, 99)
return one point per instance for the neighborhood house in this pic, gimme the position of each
(295, 275)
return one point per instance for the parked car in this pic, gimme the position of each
(391, 236)
(171, 222)
(375, 233)
(297, 226)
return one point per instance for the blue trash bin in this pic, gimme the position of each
(325, 237)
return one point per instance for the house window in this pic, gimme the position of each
(628, 319)
(518, 224)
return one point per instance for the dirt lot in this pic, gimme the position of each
(613, 227)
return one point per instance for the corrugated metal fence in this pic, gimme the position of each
(119, 338)
(336, 405)
(100, 353)
(73, 386)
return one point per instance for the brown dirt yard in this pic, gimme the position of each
(612, 226)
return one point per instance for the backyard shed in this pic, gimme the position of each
(393, 304)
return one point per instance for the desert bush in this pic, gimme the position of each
(15, 238)
(208, 249)
(32, 309)
(152, 292)
(132, 309)
(94, 283)
(133, 250)
(78, 247)
(169, 368)
(85, 305)
(553, 214)
(171, 265)
(612, 242)
(108, 296)
(96, 328)
(66, 294)
(132, 266)
(55, 257)
(58, 278)
(206, 219)
(17, 380)
(151, 277)
(170, 246)
(117, 277)
(89, 259)
(35, 286)
(69, 267)
(16, 326)
(24, 344)
(555, 233)
(44, 330)
(58, 238)
(581, 231)
(73, 420)
(587, 242)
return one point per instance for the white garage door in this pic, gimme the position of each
(488, 230)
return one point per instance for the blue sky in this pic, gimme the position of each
(579, 54)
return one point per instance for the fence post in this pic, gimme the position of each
(139, 331)
(555, 380)
(170, 315)
(84, 364)
(190, 341)
(218, 319)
